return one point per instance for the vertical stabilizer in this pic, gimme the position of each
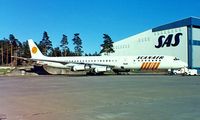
(35, 51)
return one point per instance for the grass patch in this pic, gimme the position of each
(4, 71)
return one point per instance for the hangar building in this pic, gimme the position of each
(180, 39)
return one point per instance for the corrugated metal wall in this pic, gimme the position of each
(196, 47)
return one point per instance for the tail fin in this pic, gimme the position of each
(35, 51)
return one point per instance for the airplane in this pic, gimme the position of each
(101, 64)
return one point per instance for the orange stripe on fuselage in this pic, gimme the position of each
(148, 65)
(144, 66)
(151, 66)
(156, 65)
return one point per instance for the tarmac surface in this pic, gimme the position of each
(128, 97)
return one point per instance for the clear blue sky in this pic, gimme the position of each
(91, 18)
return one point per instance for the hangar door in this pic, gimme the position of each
(196, 47)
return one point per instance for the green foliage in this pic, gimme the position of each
(4, 71)
(78, 44)
(56, 52)
(107, 46)
(45, 44)
(15, 42)
(5, 51)
(25, 52)
(94, 54)
(63, 45)
(10, 47)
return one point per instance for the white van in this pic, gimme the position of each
(185, 71)
(191, 72)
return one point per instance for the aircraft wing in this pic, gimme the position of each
(64, 62)
(58, 61)
(22, 58)
(33, 59)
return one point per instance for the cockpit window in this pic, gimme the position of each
(176, 59)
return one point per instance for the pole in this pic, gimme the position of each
(11, 52)
(7, 54)
(2, 53)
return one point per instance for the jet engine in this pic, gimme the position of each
(98, 69)
(80, 68)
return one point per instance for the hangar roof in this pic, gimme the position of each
(191, 21)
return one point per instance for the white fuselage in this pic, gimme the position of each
(115, 62)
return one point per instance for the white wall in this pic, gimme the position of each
(196, 34)
(195, 48)
(196, 56)
(144, 44)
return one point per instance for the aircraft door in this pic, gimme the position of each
(125, 62)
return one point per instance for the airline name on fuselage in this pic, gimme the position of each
(150, 57)
(170, 40)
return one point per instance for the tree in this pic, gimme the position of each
(3, 50)
(16, 44)
(6, 51)
(78, 44)
(45, 45)
(94, 54)
(56, 52)
(15, 47)
(25, 52)
(107, 46)
(63, 45)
